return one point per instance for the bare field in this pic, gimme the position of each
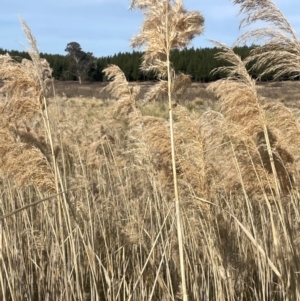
(285, 90)
(195, 98)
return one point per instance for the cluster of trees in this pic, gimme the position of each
(83, 66)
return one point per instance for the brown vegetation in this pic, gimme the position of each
(87, 187)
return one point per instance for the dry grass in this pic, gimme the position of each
(122, 217)
(87, 195)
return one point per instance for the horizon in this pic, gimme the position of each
(116, 53)
(77, 22)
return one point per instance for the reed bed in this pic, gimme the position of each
(89, 209)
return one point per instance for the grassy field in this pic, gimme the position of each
(197, 98)
(111, 234)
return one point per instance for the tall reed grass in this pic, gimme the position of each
(87, 207)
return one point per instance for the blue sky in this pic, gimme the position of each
(105, 27)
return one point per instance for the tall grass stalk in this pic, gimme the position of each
(177, 205)
(167, 26)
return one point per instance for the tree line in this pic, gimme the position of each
(83, 66)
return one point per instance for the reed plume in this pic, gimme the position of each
(151, 132)
(21, 85)
(24, 163)
(25, 86)
(42, 71)
(280, 50)
(120, 89)
(241, 107)
(167, 25)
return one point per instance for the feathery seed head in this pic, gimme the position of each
(254, 141)
(280, 50)
(22, 86)
(167, 25)
(41, 68)
(239, 101)
(120, 88)
(23, 157)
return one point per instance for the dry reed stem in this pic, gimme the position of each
(167, 25)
